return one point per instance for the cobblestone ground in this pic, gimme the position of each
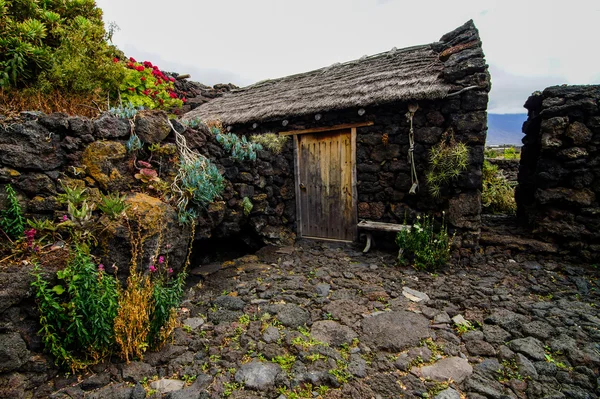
(323, 320)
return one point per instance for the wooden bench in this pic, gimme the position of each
(379, 226)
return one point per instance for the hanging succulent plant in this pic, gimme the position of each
(447, 160)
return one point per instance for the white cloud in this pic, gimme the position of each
(261, 39)
(510, 91)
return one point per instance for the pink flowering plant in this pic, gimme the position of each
(30, 235)
(146, 86)
(77, 314)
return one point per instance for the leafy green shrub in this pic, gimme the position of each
(48, 48)
(11, 219)
(83, 60)
(498, 195)
(77, 315)
(446, 162)
(56, 45)
(88, 316)
(271, 141)
(511, 153)
(422, 246)
(490, 153)
(166, 296)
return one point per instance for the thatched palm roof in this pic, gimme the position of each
(412, 73)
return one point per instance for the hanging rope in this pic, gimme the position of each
(412, 108)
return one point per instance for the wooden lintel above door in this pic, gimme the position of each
(327, 128)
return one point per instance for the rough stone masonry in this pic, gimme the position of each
(559, 175)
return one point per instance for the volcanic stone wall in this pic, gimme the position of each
(37, 150)
(196, 94)
(508, 167)
(559, 175)
(383, 168)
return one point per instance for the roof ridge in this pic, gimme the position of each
(394, 51)
(410, 73)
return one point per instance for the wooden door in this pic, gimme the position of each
(325, 176)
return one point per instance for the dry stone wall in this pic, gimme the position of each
(37, 150)
(559, 175)
(508, 167)
(196, 94)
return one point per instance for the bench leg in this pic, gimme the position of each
(368, 246)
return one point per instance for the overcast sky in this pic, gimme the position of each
(529, 44)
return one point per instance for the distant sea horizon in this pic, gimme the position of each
(505, 129)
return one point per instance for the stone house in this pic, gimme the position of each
(362, 132)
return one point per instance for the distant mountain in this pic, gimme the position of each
(505, 129)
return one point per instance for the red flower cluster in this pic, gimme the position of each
(160, 83)
(160, 77)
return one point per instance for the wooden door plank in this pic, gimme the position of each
(304, 181)
(314, 180)
(324, 160)
(346, 198)
(320, 177)
(297, 180)
(354, 230)
(343, 187)
(333, 198)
